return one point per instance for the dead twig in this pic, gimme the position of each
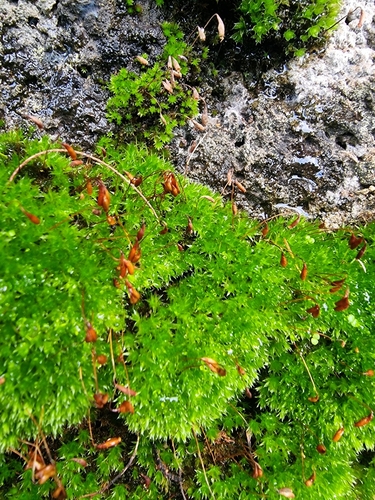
(116, 478)
(190, 156)
(127, 466)
(94, 159)
(342, 18)
(202, 463)
(179, 474)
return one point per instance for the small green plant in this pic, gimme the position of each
(148, 106)
(295, 24)
(141, 317)
(133, 7)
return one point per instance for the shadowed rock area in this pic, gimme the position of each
(299, 138)
(57, 55)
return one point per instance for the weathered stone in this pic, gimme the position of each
(300, 136)
(56, 55)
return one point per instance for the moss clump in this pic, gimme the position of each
(296, 25)
(149, 105)
(135, 297)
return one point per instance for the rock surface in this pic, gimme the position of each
(301, 136)
(57, 55)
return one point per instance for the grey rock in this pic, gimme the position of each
(56, 57)
(300, 138)
(304, 137)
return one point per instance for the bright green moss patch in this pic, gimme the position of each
(219, 306)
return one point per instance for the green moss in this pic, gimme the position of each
(296, 24)
(218, 314)
(149, 105)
